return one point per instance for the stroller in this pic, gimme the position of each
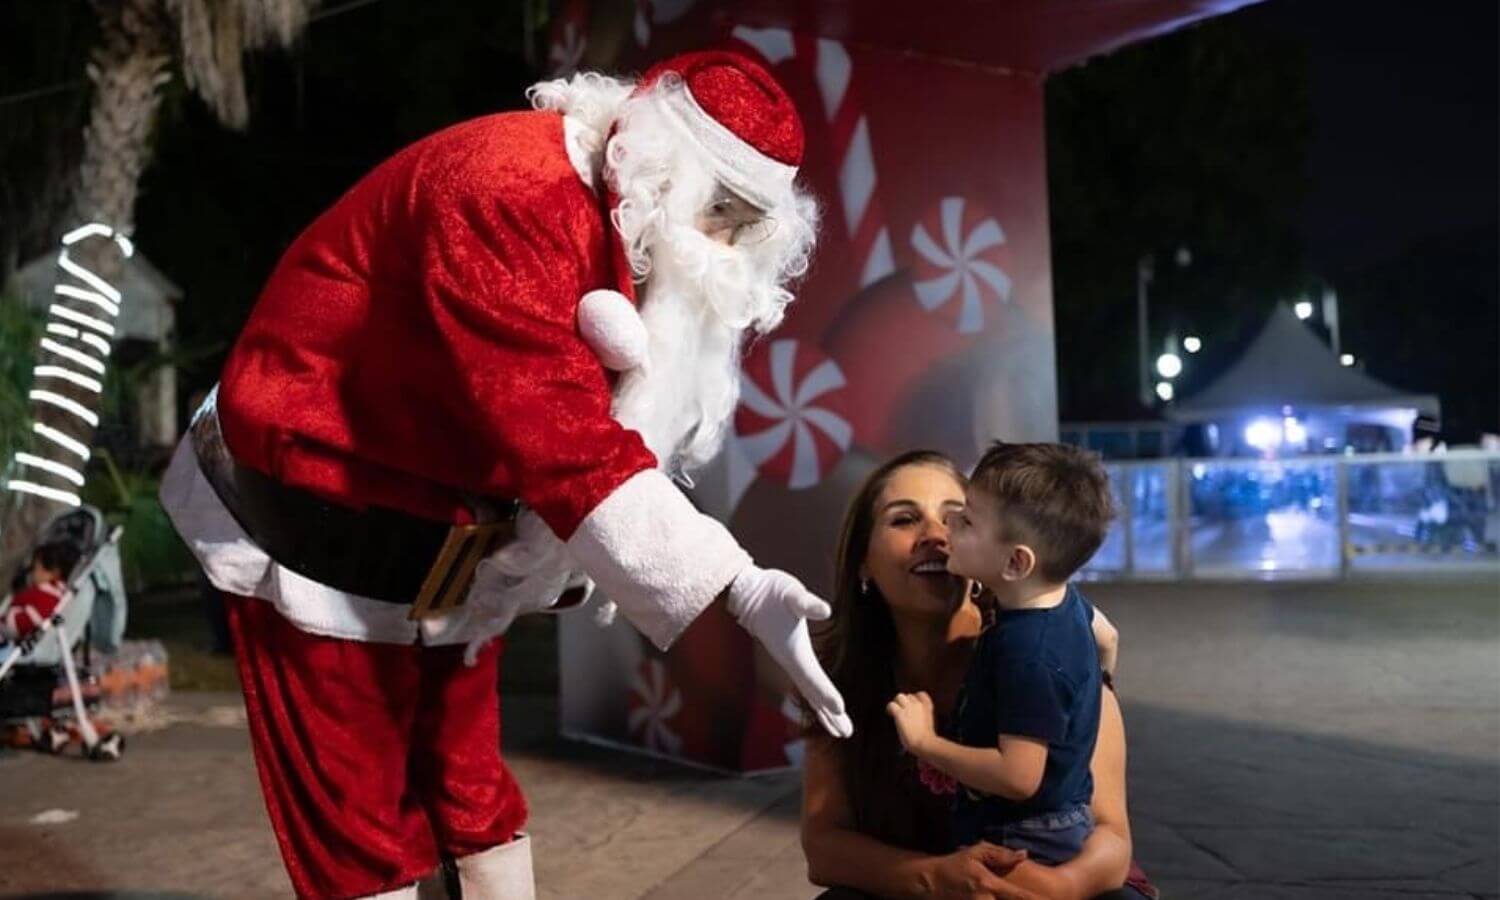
(47, 686)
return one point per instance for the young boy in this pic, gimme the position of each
(32, 605)
(1028, 716)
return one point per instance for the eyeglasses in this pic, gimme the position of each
(744, 224)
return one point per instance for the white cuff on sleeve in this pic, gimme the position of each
(660, 560)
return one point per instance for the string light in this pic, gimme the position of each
(78, 356)
(110, 292)
(83, 329)
(72, 406)
(78, 293)
(30, 487)
(47, 465)
(69, 376)
(80, 449)
(97, 342)
(73, 315)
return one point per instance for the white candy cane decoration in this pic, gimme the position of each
(849, 130)
(76, 340)
(962, 255)
(658, 12)
(567, 51)
(655, 703)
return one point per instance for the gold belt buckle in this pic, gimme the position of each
(447, 583)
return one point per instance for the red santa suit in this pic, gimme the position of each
(29, 608)
(416, 348)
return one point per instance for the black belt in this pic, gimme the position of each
(376, 552)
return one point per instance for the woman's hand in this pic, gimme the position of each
(914, 720)
(975, 873)
(1046, 882)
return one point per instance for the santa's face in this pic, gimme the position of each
(715, 266)
(733, 221)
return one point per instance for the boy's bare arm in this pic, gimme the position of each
(1012, 770)
(1107, 637)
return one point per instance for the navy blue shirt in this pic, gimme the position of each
(1035, 673)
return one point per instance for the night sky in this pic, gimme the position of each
(1404, 142)
(1402, 190)
(1396, 206)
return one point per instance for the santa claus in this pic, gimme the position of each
(468, 387)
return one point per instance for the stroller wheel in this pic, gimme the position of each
(52, 740)
(108, 749)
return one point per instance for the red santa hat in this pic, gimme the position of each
(732, 110)
(745, 125)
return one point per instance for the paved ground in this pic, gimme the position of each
(1298, 742)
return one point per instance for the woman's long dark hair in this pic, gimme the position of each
(857, 646)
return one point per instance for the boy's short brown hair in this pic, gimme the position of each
(1052, 497)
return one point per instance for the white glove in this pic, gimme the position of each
(774, 607)
(525, 576)
(503, 597)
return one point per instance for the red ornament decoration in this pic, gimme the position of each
(792, 423)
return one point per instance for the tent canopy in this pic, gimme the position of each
(1288, 365)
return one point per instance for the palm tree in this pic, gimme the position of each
(139, 42)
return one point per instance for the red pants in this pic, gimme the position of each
(375, 759)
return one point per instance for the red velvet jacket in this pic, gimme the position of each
(29, 608)
(418, 342)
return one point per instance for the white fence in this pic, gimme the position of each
(1313, 517)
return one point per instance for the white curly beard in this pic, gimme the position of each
(680, 402)
(699, 299)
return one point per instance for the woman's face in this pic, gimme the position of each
(907, 558)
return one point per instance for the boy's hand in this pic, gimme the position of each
(914, 720)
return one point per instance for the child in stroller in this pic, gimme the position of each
(33, 605)
(65, 604)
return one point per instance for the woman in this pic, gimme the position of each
(901, 623)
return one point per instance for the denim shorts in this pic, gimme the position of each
(1051, 838)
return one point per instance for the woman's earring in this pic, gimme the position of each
(864, 587)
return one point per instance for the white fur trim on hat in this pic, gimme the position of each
(743, 169)
(611, 326)
(659, 559)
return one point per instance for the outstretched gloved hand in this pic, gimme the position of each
(774, 607)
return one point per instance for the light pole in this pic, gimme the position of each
(1145, 271)
(1331, 317)
(1143, 274)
